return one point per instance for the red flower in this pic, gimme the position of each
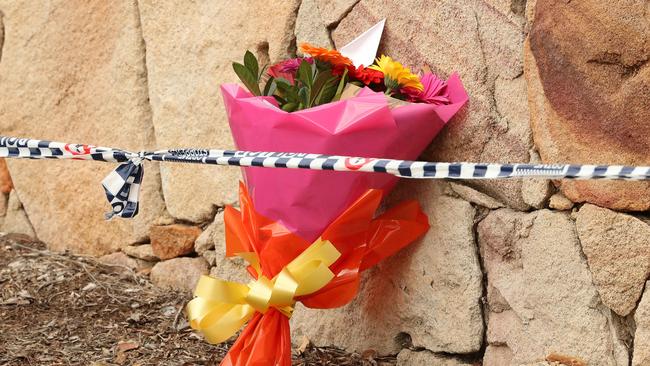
(363, 74)
(339, 69)
(277, 72)
(287, 69)
(367, 75)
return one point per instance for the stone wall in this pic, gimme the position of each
(516, 272)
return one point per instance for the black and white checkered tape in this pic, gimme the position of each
(122, 185)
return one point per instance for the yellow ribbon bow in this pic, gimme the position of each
(221, 308)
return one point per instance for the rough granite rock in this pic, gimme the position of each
(212, 234)
(497, 356)
(617, 247)
(476, 197)
(535, 191)
(15, 220)
(317, 17)
(535, 261)
(641, 356)
(204, 242)
(529, 12)
(559, 202)
(407, 357)
(430, 290)
(210, 256)
(141, 251)
(333, 11)
(75, 72)
(482, 41)
(230, 269)
(500, 325)
(310, 26)
(179, 274)
(588, 94)
(495, 301)
(190, 48)
(171, 241)
(122, 260)
(6, 185)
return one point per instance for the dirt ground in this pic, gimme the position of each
(61, 309)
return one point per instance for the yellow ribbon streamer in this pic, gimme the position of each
(220, 308)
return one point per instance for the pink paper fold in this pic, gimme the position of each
(307, 201)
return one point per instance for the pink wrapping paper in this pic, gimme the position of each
(306, 201)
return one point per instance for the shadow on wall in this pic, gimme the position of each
(2, 34)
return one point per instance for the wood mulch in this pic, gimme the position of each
(62, 309)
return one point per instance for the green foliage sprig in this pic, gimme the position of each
(314, 83)
(249, 73)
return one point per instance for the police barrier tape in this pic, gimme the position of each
(122, 186)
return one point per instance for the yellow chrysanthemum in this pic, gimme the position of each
(395, 75)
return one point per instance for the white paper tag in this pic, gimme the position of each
(363, 49)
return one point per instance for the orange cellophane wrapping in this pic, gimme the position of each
(362, 239)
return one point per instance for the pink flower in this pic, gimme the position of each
(287, 69)
(292, 64)
(434, 91)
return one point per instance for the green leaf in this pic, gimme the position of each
(290, 95)
(270, 86)
(251, 64)
(341, 86)
(262, 71)
(319, 82)
(247, 78)
(283, 87)
(290, 107)
(322, 66)
(305, 73)
(281, 101)
(328, 92)
(282, 80)
(303, 95)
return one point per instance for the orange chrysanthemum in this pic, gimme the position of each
(332, 57)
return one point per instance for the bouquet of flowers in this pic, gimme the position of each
(308, 234)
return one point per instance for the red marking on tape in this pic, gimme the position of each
(357, 163)
(75, 149)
